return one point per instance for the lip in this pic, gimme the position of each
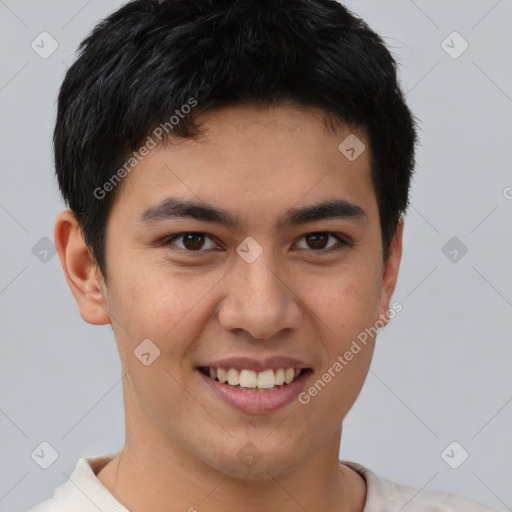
(254, 402)
(258, 365)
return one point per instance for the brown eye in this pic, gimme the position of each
(317, 242)
(190, 242)
(193, 241)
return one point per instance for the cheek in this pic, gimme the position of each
(345, 305)
(163, 306)
(345, 311)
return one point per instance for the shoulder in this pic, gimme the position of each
(46, 506)
(65, 498)
(384, 495)
(82, 492)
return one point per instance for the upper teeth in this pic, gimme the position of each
(266, 379)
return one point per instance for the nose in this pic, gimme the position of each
(260, 300)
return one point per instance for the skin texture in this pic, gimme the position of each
(181, 439)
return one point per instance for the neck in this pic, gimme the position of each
(143, 480)
(153, 473)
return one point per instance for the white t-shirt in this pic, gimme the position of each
(85, 493)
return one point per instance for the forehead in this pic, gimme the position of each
(249, 159)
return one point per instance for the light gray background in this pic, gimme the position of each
(442, 368)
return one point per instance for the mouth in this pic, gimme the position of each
(255, 388)
(252, 381)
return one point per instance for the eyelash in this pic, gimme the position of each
(342, 240)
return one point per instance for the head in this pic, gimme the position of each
(242, 112)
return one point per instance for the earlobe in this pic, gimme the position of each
(390, 272)
(82, 274)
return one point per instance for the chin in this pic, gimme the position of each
(249, 463)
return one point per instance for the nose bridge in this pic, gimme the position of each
(262, 283)
(258, 300)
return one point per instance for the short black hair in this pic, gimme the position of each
(144, 62)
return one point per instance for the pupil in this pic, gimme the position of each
(195, 238)
(314, 239)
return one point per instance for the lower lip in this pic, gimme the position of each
(254, 402)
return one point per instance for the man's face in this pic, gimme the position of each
(264, 294)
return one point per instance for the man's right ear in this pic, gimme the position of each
(82, 273)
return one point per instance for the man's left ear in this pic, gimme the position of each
(390, 272)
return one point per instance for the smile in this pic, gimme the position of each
(255, 387)
(252, 381)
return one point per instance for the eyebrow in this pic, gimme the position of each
(174, 208)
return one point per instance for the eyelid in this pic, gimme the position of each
(171, 238)
(342, 239)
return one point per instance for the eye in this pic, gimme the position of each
(191, 241)
(318, 241)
